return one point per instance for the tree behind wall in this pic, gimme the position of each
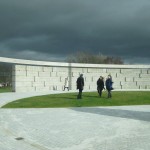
(83, 57)
(5, 72)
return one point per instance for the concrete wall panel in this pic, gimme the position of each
(25, 83)
(147, 86)
(47, 69)
(60, 69)
(34, 68)
(19, 67)
(110, 71)
(51, 76)
(30, 73)
(142, 79)
(22, 79)
(145, 71)
(143, 83)
(44, 74)
(128, 71)
(19, 73)
(24, 89)
(75, 69)
(144, 75)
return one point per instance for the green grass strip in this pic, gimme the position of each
(5, 89)
(89, 99)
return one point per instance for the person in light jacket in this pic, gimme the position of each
(66, 85)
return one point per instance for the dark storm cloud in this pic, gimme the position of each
(57, 28)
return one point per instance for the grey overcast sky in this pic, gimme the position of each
(53, 29)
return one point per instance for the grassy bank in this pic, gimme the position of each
(89, 99)
(5, 89)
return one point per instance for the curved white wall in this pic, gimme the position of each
(44, 76)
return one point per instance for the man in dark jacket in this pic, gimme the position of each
(109, 85)
(100, 85)
(80, 85)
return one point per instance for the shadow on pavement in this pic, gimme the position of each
(136, 115)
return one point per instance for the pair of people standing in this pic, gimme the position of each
(108, 83)
(100, 85)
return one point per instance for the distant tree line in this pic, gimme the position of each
(83, 57)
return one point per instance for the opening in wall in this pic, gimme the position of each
(5, 77)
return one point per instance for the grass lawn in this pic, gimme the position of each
(5, 89)
(89, 99)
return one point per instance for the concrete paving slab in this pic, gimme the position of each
(96, 128)
(88, 128)
(11, 96)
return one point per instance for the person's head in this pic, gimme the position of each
(101, 77)
(109, 76)
(81, 75)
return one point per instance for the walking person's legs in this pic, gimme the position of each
(100, 92)
(79, 94)
(109, 93)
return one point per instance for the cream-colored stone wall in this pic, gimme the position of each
(44, 76)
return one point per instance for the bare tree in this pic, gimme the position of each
(84, 57)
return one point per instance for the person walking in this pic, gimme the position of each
(100, 85)
(80, 85)
(109, 85)
(66, 85)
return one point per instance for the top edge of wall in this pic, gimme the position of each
(63, 64)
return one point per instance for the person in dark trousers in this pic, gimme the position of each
(100, 85)
(80, 85)
(109, 85)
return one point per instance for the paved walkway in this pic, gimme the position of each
(95, 128)
(11, 96)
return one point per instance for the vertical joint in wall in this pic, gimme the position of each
(70, 75)
(120, 70)
(120, 83)
(26, 73)
(136, 83)
(140, 71)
